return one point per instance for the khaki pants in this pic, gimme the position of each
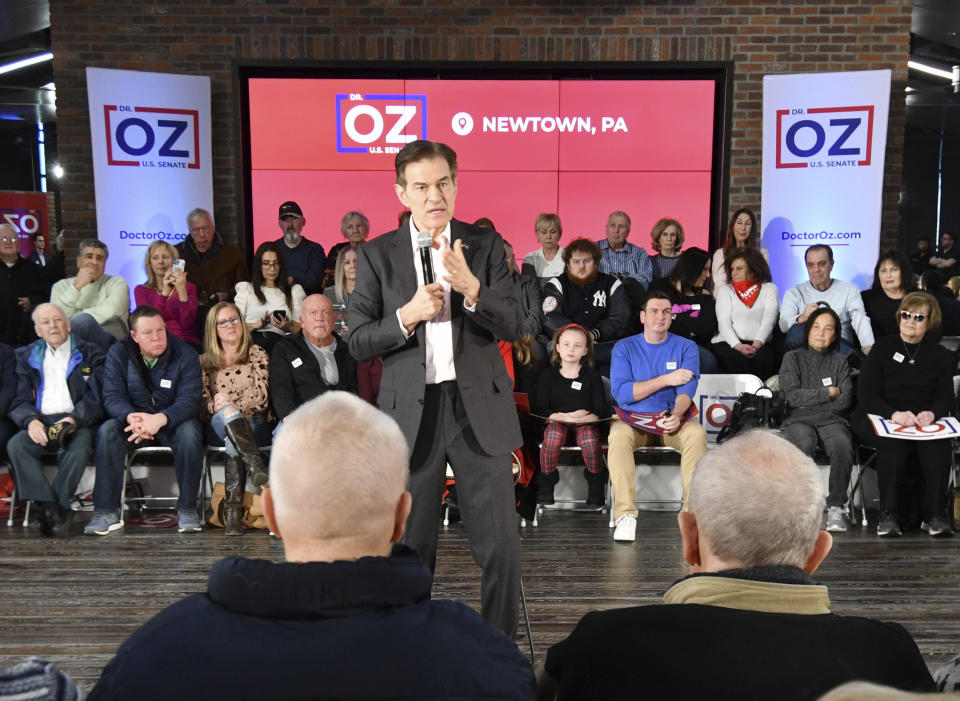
(690, 440)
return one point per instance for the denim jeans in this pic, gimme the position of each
(71, 461)
(86, 328)
(259, 426)
(112, 448)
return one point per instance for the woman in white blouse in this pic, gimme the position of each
(748, 308)
(547, 261)
(742, 232)
(270, 306)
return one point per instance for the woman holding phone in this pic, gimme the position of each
(269, 305)
(167, 289)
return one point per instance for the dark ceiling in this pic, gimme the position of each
(935, 40)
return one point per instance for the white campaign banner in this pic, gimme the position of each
(150, 134)
(824, 137)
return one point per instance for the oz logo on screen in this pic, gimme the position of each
(825, 137)
(152, 137)
(379, 123)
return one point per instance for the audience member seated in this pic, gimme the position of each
(571, 395)
(344, 281)
(310, 362)
(931, 282)
(57, 406)
(621, 258)
(842, 297)
(152, 392)
(628, 263)
(742, 232)
(654, 372)
(347, 616)
(583, 295)
(531, 300)
(22, 287)
(909, 381)
(167, 289)
(817, 384)
(747, 310)
(920, 258)
(667, 240)
(947, 259)
(58, 267)
(236, 397)
(96, 304)
(269, 305)
(892, 279)
(305, 259)
(547, 261)
(354, 227)
(8, 391)
(214, 266)
(694, 310)
(752, 541)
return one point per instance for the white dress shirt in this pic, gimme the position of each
(56, 396)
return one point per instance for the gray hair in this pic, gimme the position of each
(620, 213)
(350, 215)
(197, 213)
(93, 243)
(7, 227)
(337, 468)
(758, 500)
(36, 310)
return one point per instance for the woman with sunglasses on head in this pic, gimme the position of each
(269, 306)
(167, 289)
(907, 378)
(236, 395)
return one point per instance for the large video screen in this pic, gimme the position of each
(580, 148)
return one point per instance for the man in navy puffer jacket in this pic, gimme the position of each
(152, 393)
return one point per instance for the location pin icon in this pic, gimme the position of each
(462, 122)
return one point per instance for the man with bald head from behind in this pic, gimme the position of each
(348, 615)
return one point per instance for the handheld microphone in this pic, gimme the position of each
(424, 241)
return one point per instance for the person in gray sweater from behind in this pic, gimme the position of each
(816, 382)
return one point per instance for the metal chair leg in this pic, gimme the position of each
(526, 620)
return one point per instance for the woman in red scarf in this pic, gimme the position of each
(747, 311)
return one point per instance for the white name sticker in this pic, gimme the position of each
(898, 357)
(296, 362)
(672, 365)
(826, 381)
(576, 385)
(695, 307)
(166, 384)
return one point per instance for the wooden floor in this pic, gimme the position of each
(75, 600)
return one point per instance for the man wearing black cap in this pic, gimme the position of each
(305, 258)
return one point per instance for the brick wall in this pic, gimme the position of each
(203, 36)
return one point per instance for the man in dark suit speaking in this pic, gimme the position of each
(444, 381)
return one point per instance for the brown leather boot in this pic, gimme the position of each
(233, 500)
(239, 433)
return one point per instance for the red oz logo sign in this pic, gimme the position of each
(825, 137)
(152, 137)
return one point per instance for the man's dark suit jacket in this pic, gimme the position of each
(386, 280)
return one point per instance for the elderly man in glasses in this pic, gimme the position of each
(315, 360)
(22, 288)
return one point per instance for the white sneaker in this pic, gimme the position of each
(626, 531)
(835, 521)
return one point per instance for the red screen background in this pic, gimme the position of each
(641, 146)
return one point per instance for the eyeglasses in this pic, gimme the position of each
(8, 239)
(906, 316)
(224, 323)
(270, 264)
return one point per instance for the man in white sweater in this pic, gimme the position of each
(842, 297)
(96, 304)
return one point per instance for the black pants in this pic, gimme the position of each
(485, 497)
(893, 456)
